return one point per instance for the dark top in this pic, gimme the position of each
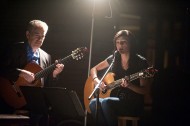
(130, 100)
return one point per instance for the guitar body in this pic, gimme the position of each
(34, 68)
(89, 87)
(11, 92)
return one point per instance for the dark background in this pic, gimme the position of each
(161, 27)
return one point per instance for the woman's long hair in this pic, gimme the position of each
(132, 41)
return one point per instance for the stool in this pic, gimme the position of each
(123, 119)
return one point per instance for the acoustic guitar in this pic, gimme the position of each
(11, 92)
(111, 84)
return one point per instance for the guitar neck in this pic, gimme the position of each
(134, 76)
(114, 84)
(50, 68)
(128, 78)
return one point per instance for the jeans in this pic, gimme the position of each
(105, 114)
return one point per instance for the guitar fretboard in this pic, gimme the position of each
(128, 78)
(50, 68)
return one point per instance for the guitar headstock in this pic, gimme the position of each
(149, 72)
(79, 53)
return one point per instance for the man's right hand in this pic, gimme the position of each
(27, 75)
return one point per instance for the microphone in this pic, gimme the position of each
(114, 54)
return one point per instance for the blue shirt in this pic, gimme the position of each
(33, 56)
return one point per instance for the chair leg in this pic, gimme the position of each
(134, 122)
(121, 122)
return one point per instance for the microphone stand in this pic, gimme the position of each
(96, 90)
(90, 54)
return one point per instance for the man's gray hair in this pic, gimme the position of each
(36, 23)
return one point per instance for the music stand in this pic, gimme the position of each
(35, 99)
(64, 102)
(55, 101)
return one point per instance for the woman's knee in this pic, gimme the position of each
(93, 102)
(108, 102)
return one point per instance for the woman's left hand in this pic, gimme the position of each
(124, 83)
